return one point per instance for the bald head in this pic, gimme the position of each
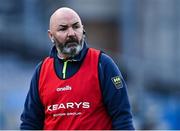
(62, 15)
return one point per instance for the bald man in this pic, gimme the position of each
(75, 87)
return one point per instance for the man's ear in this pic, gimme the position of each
(50, 36)
(84, 32)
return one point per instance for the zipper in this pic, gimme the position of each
(64, 69)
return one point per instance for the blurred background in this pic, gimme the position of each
(142, 36)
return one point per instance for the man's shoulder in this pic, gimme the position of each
(105, 58)
(107, 63)
(39, 65)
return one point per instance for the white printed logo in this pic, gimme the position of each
(68, 105)
(66, 88)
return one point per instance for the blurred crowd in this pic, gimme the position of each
(142, 36)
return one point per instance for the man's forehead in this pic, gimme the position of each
(67, 19)
(65, 16)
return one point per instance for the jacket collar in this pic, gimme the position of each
(79, 57)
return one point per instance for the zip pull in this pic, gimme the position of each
(64, 69)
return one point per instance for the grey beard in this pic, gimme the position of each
(71, 51)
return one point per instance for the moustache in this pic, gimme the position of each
(71, 41)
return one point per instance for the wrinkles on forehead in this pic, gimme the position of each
(63, 16)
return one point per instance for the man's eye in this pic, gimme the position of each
(62, 29)
(76, 26)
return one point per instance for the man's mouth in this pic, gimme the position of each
(71, 44)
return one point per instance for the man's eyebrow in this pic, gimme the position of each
(75, 23)
(64, 25)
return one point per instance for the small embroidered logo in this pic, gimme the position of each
(66, 88)
(117, 82)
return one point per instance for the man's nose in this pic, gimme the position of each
(71, 32)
